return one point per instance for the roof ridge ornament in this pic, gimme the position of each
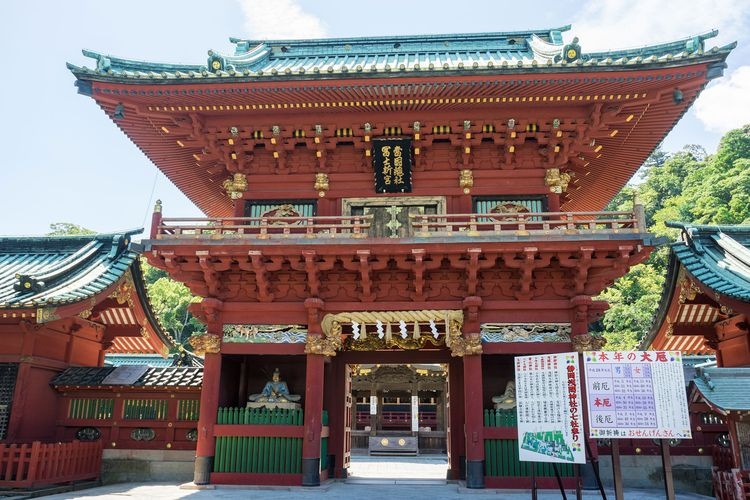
(570, 52)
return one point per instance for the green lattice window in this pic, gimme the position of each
(145, 409)
(188, 409)
(90, 408)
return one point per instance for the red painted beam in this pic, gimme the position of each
(249, 478)
(500, 433)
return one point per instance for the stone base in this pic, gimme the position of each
(475, 474)
(311, 472)
(121, 466)
(271, 406)
(691, 474)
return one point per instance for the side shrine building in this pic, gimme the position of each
(411, 200)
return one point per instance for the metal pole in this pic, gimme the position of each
(559, 481)
(533, 481)
(595, 467)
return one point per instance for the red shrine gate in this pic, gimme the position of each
(480, 238)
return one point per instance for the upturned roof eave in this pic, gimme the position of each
(203, 76)
(117, 267)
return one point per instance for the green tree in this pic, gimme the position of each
(687, 186)
(67, 229)
(170, 300)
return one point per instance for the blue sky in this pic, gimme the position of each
(65, 161)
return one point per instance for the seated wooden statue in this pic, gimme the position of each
(275, 391)
(508, 399)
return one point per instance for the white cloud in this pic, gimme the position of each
(279, 19)
(615, 24)
(726, 104)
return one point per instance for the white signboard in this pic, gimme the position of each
(636, 395)
(415, 413)
(373, 405)
(550, 422)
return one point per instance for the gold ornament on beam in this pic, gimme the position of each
(556, 181)
(466, 346)
(205, 343)
(321, 183)
(588, 342)
(466, 180)
(235, 186)
(325, 345)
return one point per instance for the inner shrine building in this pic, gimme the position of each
(408, 200)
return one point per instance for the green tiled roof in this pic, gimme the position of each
(717, 256)
(53, 271)
(724, 388)
(154, 377)
(479, 53)
(153, 360)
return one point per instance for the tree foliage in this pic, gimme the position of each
(170, 300)
(687, 186)
(67, 229)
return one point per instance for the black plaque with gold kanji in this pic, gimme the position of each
(391, 159)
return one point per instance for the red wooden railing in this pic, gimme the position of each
(546, 222)
(731, 484)
(36, 464)
(357, 226)
(266, 227)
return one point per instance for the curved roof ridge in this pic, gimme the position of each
(712, 255)
(416, 37)
(660, 46)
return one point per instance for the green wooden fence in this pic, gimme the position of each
(188, 409)
(262, 454)
(501, 455)
(99, 409)
(145, 409)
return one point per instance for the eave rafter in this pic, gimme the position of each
(496, 271)
(597, 125)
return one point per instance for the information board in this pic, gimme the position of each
(550, 422)
(636, 395)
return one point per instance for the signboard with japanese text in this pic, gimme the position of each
(636, 395)
(391, 159)
(548, 397)
(415, 413)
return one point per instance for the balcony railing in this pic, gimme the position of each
(425, 226)
(265, 227)
(522, 223)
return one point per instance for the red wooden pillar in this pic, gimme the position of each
(313, 420)
(313, 399)
(204, 452)
(336, 414)
(474, 421)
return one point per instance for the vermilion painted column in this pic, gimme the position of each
(474, 421)
(313, 420)
(313, 408)
(204, 452)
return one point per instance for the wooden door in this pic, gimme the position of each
(391, 220)
(348, 415)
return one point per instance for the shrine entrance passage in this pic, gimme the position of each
(399, 424)
(395, 416)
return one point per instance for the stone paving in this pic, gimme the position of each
(371, 477)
